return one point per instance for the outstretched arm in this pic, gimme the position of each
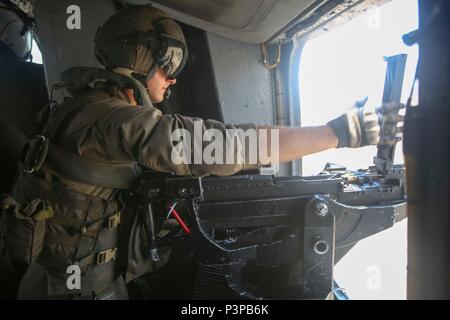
(354, 129)
(193, 146)
(297, 142)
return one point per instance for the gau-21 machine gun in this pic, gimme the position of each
(279, 237)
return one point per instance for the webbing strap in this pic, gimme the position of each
(110, 222)
(99, 258)
(55, 193)
(81, 169)
(90, 171)
(58, 239)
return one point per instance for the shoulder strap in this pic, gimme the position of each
(40, 153)
(90, 171)
(78, 168)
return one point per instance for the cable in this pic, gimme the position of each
(180, 221)
(265, 55)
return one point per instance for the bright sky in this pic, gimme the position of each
(337, 69)
(37, 56)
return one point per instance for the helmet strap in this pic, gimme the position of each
(139, 90)
(152, 71)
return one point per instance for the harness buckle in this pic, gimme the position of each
(113, 221)
(106, 256)
(35, 153)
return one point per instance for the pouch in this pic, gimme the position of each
(25, 230)
(134, 257)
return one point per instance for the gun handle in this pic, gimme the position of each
(149, 224)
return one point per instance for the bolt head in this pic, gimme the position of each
(321, 247)
(322, 209)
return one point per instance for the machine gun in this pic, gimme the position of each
(279, 237)
(259, 236)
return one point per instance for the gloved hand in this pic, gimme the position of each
(358, 128)
(391, 123)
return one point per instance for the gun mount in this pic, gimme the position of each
(279, 237)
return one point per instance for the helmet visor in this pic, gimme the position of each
(173, 54)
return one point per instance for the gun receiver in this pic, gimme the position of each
(249, 224)
(393, 85)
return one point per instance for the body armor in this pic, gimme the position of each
(59, 222)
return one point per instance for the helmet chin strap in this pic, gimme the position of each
(167, 94)
(151, 73)
(139, 89)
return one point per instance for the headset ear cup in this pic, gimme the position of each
(14, 32)
(97, 33)
(99, 57)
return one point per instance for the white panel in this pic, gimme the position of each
(244, 85)
(276, 16)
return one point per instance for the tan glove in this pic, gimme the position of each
(359, 128)
(391, 123)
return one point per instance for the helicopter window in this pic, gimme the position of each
(36, 53)
(337, 69)
(346, 65)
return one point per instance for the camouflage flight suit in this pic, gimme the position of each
(101, 124)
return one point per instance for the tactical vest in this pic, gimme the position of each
(58, 227)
